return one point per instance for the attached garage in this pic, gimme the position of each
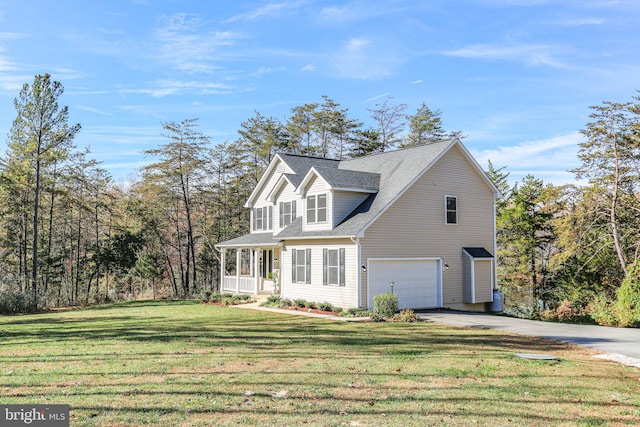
(416, 281)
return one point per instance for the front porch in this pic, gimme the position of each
(250, 270)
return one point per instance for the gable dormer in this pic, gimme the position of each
(329, 195)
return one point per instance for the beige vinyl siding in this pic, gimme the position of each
(316, 187)
(414, 226)
(467, 280)
(287, 194)
(339, 296)
(344, 202)
(479, 288)
(483, 273)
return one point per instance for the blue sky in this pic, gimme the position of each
(516, 76)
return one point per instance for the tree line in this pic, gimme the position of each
(71, 236)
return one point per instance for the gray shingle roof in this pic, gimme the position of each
(302, 164)
(397, 170)
(355, 180)
(478, 252)
(248, 240)
(394, 172)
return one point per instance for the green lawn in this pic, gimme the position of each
(187, 364)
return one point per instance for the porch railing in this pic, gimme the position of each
(246, 284)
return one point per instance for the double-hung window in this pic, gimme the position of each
(451, 209)
(262, 218)
(333, 267)
(287, 213)
(301, 265)
(317, 208)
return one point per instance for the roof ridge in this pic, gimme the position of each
(309, 157)
(449, 140)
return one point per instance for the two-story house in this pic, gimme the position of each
(419, 222)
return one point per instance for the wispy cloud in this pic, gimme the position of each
(360, 58)
(549, 159)
(92, 110)
(268, 9)
(532, 54)
(164, 88)
(189, 45)
(308, 68)
(578, 22)
(362, 10)
(375, 98)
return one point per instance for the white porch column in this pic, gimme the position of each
(223, 264)
(238, 264)
(257, 272)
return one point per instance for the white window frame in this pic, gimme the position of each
(292, 213)
(301, 266)
(317, 213)
(321, 210)
(330, 269)
(311, 209)
(447, 211)
(262, 218)
(333, 270)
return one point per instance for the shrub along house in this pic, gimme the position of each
(418, 221)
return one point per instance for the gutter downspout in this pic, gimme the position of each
(356, 241)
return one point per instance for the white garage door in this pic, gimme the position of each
(416, 282)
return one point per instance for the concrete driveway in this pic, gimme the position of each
(619, 344)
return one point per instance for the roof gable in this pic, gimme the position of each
(297, 164)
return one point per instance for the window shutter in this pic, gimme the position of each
(255, 218)
(342, 255)
(308, 259)
(270, 217)
(325, 266)
(281, 214)
(293, 266)
(293, 210)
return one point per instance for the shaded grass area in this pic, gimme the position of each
(181, 363)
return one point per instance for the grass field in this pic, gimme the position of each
(185, 364)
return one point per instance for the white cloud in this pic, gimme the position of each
(416, 82)
(548, 159)
(532, 54)
(361, 10)
(269, 70)
(361, 59)
(185, 42)
(92, 110)
(175, 87)
(375, 98)
(578, 22)
(308, 68)
(266, 10)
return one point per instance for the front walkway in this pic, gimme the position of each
(620, 344)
